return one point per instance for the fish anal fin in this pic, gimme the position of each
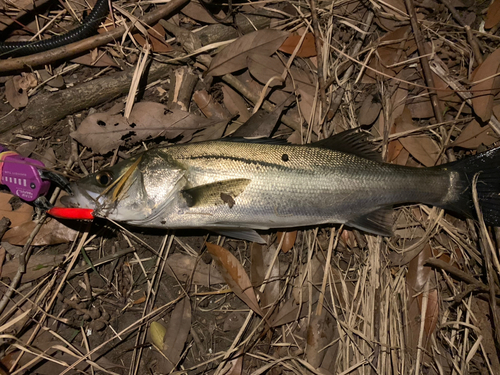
(241, 234)
(353, 141)
(216, 193)
(376, 222)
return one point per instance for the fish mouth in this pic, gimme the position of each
(80, 198)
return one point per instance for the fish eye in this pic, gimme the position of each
(104, 178)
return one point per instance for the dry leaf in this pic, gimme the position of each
(484, 91)
(210, 107)
(474, 135)
(289, 312)
(2, 258)
(197, 12)
(234, 56)
(307, 49)
(52, 232)
(38, 266)
(421, 147)
(15, 94)
(417, 277)
(235, 104)
(306, 102)
(320, 332)
(184, 266)
(176, 334)
(156, 38)
(263, 68)
(261, 257)
(300, 290)
(103, 132)
(369, 110)
(96, 58)
(22, 215)
(289, 240)
(493, 15)
(235, 276)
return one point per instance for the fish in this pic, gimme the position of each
(236, 187)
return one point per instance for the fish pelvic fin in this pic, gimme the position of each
(240, 234)
(487, 167)
(378, 222)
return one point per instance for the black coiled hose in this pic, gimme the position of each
(86, 29)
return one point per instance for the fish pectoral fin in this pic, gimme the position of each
(216, 193)
(353, 141)
(241, 234)
(377, 222)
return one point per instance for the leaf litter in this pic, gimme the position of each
(383, 307)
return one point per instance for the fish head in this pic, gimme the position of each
(116, 192)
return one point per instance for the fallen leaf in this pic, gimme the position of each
(176, 334)
(262, 257)
(484, 91)
(211, 108)
(289, 312)
(391, 14)
(184, 266)
(307, 49)
(156, 334)
(389, 53)
(235, 104)
(263, 68)
(17, 217)
(234, 321)
(235, 276)
(289, 240)
(156, 38)
(197, 12)
(234, 56)
(492, 15)
(369, 110)
(306, 102)
(417, 277)
(474, 135)
(96, 58)
(52, 232)
(236, 364)
(38, 266)
(300, 290)
(15, 94)
(57, 82)
(103, 132)
(320, 332)
(421, 147)
(2, 258)
(261, 124)
(211, 133)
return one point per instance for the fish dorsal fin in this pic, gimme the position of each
(377, 222)
(216, 193)
(353, 141)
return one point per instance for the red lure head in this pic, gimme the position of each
(72, 213)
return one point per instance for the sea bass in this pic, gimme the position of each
(237, 187)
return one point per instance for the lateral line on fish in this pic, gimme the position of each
(232, 158)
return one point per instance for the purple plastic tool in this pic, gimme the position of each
(21, 175)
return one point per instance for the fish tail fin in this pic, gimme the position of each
(487, 166)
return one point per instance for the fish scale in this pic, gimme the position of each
(233, 187)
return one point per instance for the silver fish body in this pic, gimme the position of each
(227, 186)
